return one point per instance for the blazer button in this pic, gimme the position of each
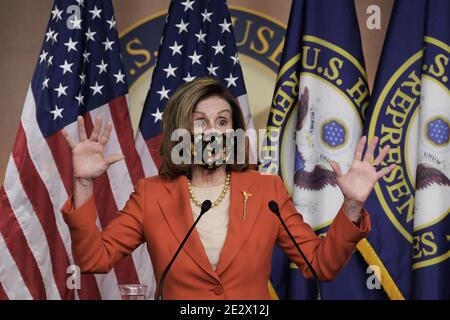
(218, 290)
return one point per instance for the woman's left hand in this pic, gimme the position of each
(358, 182)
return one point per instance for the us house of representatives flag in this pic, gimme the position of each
(431, 236)
(394, 117)
(317, 114)
(198, 40)
(79, 72)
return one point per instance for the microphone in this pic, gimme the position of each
(206, 205)
(273, 206)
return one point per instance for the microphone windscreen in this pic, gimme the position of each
(206, 205)
(273, 206)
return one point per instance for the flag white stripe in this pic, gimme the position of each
(144, 268)
(146, 158)
(108, 285)
(31, 227)
(243, 103)
(245, 108)
(10, 277)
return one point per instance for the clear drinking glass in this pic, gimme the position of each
(133, 291)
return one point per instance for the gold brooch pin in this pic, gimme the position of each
(246, 196)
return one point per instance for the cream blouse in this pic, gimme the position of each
(213, 226)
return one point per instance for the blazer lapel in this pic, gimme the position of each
(238, 228)
(177, 210)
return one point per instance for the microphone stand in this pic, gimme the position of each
(206, 205)
(273, 206)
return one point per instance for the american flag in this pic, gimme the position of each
(198, 40)
(79, 72)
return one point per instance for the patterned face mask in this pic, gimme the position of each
(212, 150)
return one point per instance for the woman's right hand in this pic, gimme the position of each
(88, 157)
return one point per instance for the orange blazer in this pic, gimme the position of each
(159, 213)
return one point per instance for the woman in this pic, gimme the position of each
(228, 256)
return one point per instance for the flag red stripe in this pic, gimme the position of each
(153, 145)
(42, 205)
(122, 124)
(62, 156)
(18, 247)
(89, 289)
(3, 295)
(107, 210)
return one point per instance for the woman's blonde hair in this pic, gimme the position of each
(178, 115)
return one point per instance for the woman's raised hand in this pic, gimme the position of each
(89, 161)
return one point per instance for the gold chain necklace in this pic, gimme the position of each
(215, 203)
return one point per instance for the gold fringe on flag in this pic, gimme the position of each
(371, 257)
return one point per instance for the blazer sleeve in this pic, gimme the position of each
(327, 256)
(96, 251)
